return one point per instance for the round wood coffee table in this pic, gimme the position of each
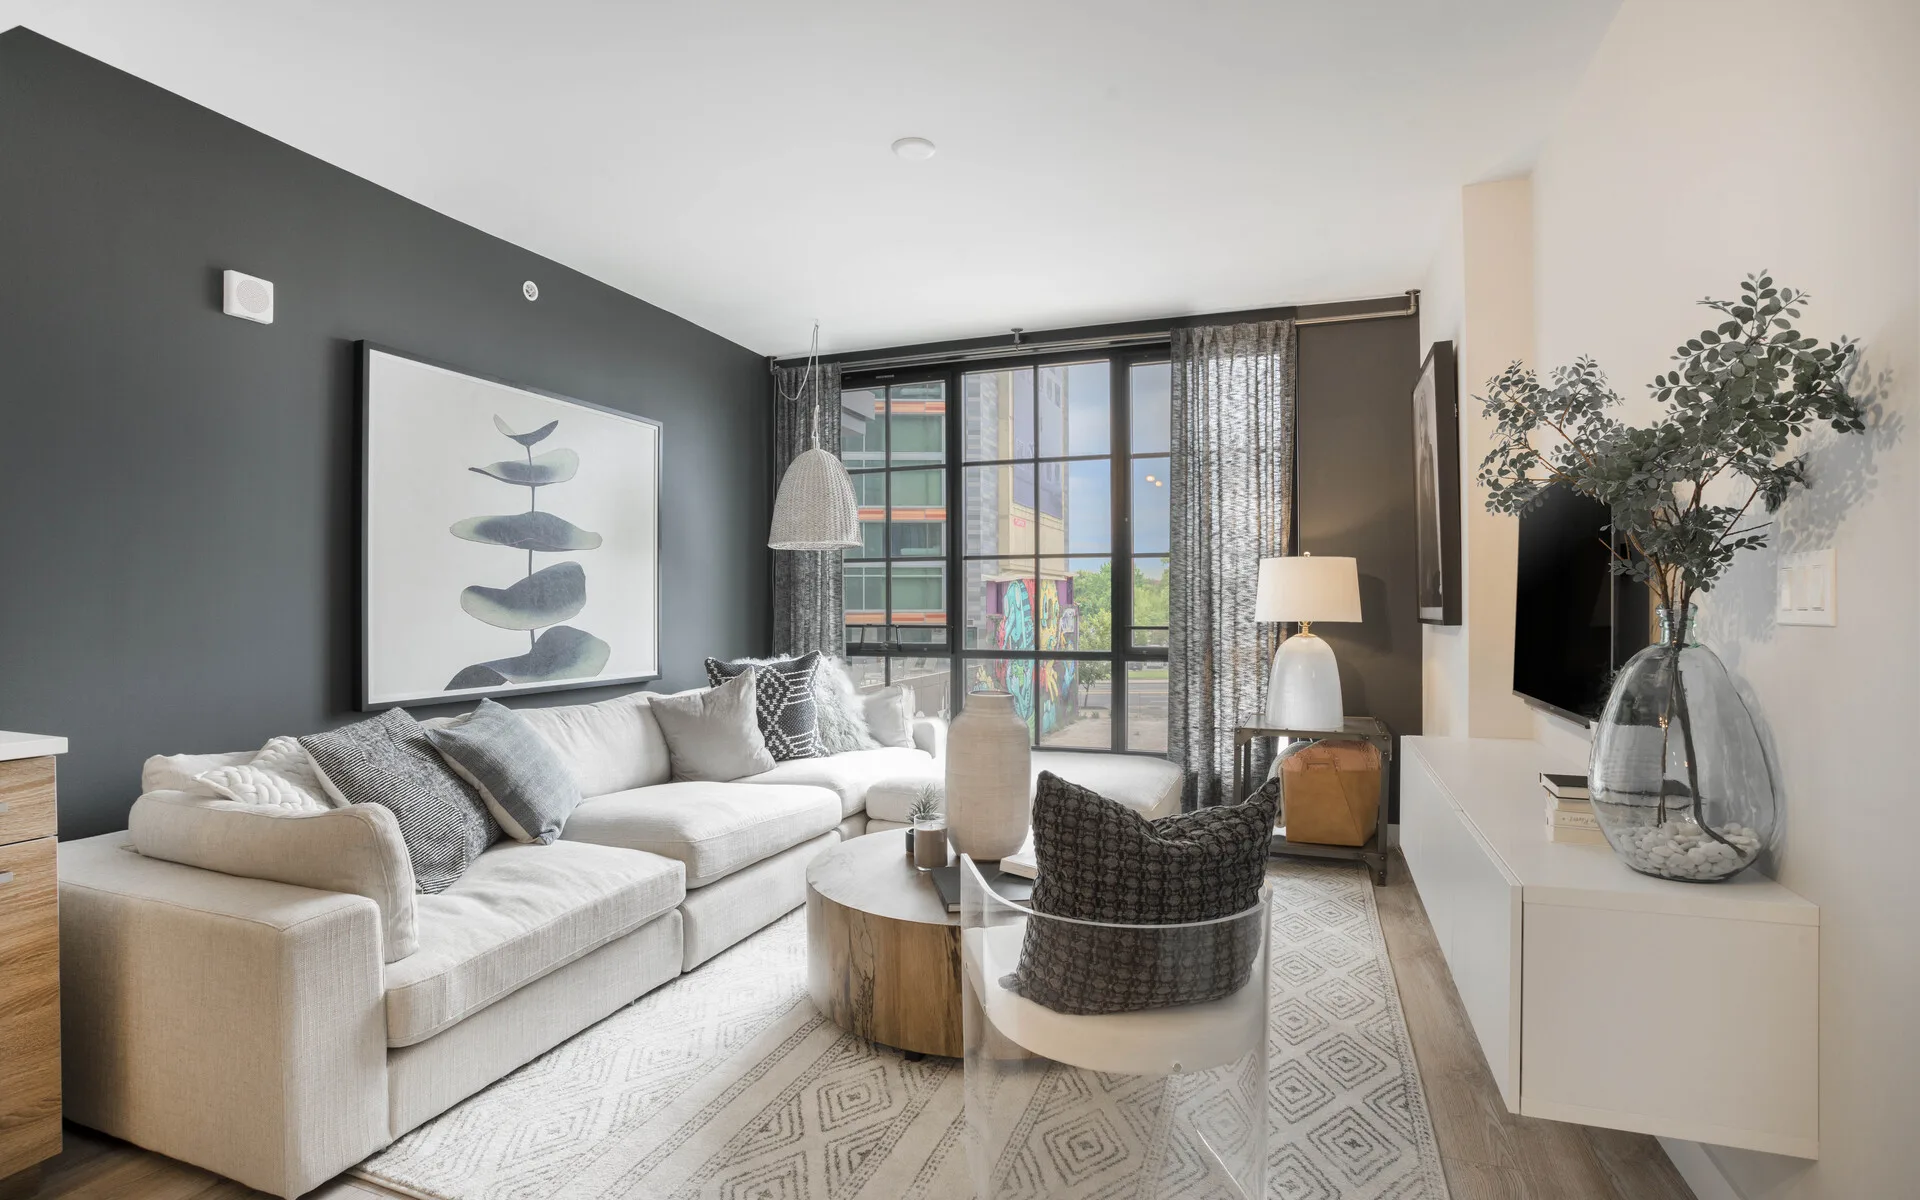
(883, 953)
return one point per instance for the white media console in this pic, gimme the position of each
(1602, 996)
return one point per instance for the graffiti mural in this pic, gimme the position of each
(1034, 614)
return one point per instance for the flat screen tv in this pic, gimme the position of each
(1575, 621)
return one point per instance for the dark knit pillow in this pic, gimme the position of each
(789, 718)
(1101, 861)
(387, 760)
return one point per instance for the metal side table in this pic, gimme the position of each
(1367, 729)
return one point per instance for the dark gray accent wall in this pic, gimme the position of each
(1354, 484)
(179, 567)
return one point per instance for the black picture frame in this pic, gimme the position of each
(1436, 465)
(365, 352)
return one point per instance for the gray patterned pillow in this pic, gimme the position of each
(387, 760)
(523, 782)
(1101, 861)
(789, 718)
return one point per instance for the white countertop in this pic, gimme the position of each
(1495, 783)
(29, 745)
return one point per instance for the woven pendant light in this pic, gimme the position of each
(815, 508)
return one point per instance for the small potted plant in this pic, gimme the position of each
(925, 807)
(1679, 780)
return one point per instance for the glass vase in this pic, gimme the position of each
(1679, 780)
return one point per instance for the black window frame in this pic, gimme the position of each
(1122, 652)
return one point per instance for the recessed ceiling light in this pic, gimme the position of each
(913, 149)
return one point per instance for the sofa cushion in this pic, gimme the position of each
(610, 746)
(519, 911)
(1148, 786)
(713, 828)
(849, 775)
(892, 799)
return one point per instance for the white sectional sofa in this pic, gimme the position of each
(277, 1034)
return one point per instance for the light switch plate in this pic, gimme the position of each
(1805, 593)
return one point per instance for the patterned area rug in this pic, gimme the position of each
(726, 1084)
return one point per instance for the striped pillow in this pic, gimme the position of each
(525, 785)
(387, 760)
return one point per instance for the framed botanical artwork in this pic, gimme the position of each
(511, 537)
(1436, 484)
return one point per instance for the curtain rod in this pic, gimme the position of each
(1071, 345)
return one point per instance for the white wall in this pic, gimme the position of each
(1710, 138)
(1479, 295)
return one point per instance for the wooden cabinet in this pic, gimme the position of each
(1604, 997)
(29, 957)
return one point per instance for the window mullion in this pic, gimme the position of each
(1121, 638)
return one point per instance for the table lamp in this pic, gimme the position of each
(1304, 690)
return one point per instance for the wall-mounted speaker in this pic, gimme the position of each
(246, 297)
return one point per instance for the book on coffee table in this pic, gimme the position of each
(1022, 861)
(1010, 887)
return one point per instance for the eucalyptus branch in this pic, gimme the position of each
(1737, 395)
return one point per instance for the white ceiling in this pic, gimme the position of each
(728, 160)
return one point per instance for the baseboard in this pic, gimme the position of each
(1697, 1167)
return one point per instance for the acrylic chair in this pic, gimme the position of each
(1161, 1102)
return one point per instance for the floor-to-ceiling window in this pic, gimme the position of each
(893, 438)
(1015, 530)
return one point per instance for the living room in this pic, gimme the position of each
(732, 600)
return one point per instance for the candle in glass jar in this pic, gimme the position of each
(929, 844)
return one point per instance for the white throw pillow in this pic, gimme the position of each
(280, 776)
(889, 713)
(181, 772)
(715, 735)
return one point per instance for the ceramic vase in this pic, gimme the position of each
(989, 778)
(1679, 780)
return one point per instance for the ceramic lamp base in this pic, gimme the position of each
(1304, 690)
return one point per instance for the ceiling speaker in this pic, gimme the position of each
(246, 297)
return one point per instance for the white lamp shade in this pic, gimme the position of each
(815, 509)
(1308, 588)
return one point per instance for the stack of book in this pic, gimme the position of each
(1570, 810)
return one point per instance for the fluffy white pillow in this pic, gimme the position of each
(278, 775)
(889, 714)
(842, 715)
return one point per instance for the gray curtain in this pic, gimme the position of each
(1232, 481)
(806, 583)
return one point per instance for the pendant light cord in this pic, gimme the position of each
(806, 384)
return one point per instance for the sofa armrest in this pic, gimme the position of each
(930, 734)
(356, 849)
(238, 1024)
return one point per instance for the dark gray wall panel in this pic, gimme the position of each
(1355, 487)
(180, 564)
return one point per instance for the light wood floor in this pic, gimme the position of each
(1489, 1153)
